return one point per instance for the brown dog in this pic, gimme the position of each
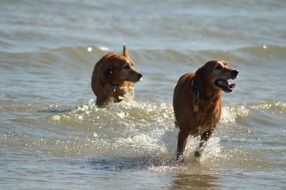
(197, 102)
(113, 78)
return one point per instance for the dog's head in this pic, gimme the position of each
(121, 68)
(217, 73)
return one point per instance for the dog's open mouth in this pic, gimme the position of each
(224, 85)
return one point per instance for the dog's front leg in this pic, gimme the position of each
(182, 140)
(204, 138)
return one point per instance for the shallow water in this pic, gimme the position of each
(52, 136)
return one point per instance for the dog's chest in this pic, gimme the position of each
(124, 93)
(206, 118)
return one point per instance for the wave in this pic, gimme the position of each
(79, 56)
(67, 55)
(135, 135)
(264, 50)
(133, 128)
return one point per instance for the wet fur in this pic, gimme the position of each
(203, 122)
(113, 78)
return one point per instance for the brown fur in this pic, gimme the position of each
(201, 89)
(113, 78)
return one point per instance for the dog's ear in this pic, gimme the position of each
(125, 51)
(201, 74)
(108, 72)
(202, 71)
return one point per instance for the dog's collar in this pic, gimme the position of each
(199, 94)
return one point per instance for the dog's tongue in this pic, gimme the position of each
(231, 86)
(226, 84)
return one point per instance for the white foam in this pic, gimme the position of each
(91, 102)
(56, 117)
(122, 114)
(169, 140)
(103, 48)
(230, 113)
(191, 163)
(135, 128)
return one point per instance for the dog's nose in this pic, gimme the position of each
(139, 75)
(235, 72)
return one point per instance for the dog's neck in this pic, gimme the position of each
(204, 90)
(115, 87)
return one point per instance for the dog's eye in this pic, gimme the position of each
(127, 67)
(218, 67)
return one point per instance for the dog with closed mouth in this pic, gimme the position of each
(197, 102)
(113, 78)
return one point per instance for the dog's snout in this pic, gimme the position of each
(139, 75)
(135, 77)
(235, 72)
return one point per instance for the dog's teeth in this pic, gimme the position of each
(232, 85)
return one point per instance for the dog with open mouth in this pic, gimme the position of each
(113, 78)
(197, 102)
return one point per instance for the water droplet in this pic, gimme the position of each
(89, 49)
(265, 46)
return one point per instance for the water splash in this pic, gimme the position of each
(136, 130)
